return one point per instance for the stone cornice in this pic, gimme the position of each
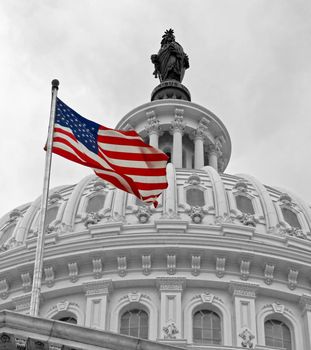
(98, 287)
(171, 284)
(243, 289)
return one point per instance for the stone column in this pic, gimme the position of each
(171, 313)
(305, 302)
(153, 129)
(199, 136)
(97, 293)
(244, 294)
(177, 130)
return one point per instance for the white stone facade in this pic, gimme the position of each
(217, 242)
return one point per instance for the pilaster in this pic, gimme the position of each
(244, 295)
(97, 293)
(305, 302)
(177, 130)
(153, 129)
(199, 136)
(171, 314)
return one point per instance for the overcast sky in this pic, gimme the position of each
(250, 64)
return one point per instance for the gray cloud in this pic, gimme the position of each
(250, 65)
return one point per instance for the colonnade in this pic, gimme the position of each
(177, 130)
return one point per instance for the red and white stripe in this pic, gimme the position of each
(123, 159)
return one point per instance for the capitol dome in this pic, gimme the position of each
(222, 263)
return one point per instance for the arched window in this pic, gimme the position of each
(66, 316)
(290, 218)
(277, 334)
(95, 204)
(195, 197)
(244, 204)
(206, 327)
(135, 323)
(70, 320)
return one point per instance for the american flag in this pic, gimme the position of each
(117, 156)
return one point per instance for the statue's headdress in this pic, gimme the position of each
(169, 33)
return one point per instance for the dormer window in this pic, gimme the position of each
(291, 218)
(95, 204)
(195, 197)
(244, 204)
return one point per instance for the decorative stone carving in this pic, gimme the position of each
(305, 302)
(122, 265)
(153, 124)
(247, 219)
(292, 278)
(14, 215)
(241, 186)
(170, 331)
(143, 214)
(146, 264)
(54, 198)
(195, 264)
(49, 276)
(97, 287)
(170, 214)
(4, 288)
(92, 219)
(286, 199)
(177, 124)
(11, 243)
(194, 179)
(207, 297)
(197, 214)
(97, 267)
(244, 269)
(278, 308)
(226, 219)
(170, 284)
(269, 270)
(26, 281)
(134, 297)
(73, 271)
(20, 342)
(293, 232)
(171, 264)
(214, 148)
(99, 185)
(220, 266)
(247, 338)
(62, 306)
(51, 228)
(243, 289)
(199, 133)
(5, 338)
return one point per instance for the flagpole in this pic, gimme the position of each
(38, 267)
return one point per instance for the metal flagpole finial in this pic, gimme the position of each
(55, 84)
